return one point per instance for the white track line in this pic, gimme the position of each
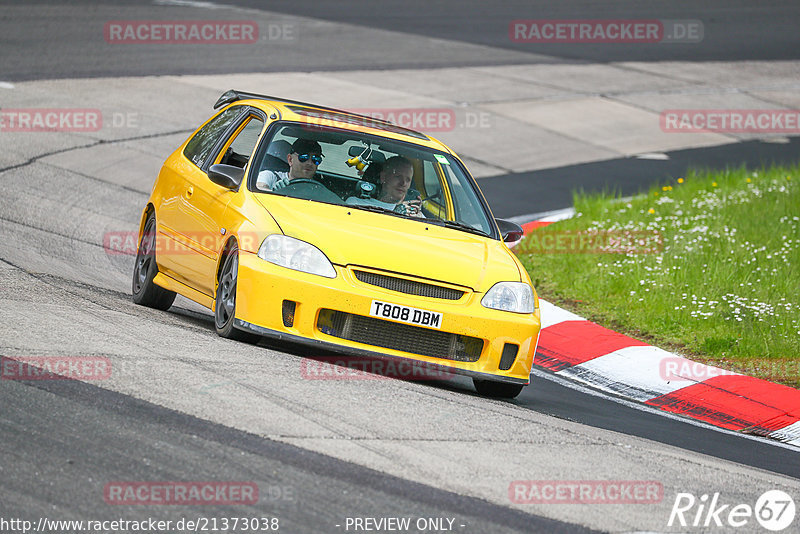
(649, 409)
(544, 216)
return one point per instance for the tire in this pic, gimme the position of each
(497, 390)
(225, 301)
(143, 290)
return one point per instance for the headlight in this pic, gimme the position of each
(295, 254)
(509, 296)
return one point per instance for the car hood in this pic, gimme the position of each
(353, 237)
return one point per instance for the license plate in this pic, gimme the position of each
(406, 314)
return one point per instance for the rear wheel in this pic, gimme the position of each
(144, 291)
(498, 390)
(225, 303)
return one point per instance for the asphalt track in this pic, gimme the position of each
(737, 30)
(78, 437)
(60, 442)
(734, 31)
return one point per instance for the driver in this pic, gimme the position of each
(305, 157)
(395, 181)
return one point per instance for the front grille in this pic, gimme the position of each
(398, 336)
(287, 312)
(508, 357)
(409, 287)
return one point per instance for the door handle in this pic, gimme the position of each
(188, 193)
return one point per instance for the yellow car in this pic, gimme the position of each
(314, 225)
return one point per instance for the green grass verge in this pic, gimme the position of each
(724, 288)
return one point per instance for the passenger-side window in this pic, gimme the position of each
(199, 147)
(465, 202)
(241, 148)
(431, 180)
(433, 187)
(434, 204)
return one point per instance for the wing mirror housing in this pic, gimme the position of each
(510, 231)
(227, 176)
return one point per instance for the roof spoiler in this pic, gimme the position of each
(232, 95)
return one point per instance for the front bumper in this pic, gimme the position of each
(263, 287)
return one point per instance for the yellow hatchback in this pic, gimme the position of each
(314, 225)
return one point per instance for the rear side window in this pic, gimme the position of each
(199, 147)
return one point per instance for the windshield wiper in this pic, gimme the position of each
(376, 209)
(458, 226)
(439, 222)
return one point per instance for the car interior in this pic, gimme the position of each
(352, 160)
(341, 172)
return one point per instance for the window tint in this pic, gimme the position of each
(241, 148)
(446, 191)
(465, 201)
(199, 146)
(431, 181)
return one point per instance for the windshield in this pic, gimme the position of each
(368, 172)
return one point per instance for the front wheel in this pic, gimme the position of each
(143, 290)
(225, 303)
(498, 390)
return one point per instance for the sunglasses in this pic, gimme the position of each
(315, 158)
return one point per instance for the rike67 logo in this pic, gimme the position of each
(774, 510)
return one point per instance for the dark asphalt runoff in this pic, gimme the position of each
(733, 30)
(46, 39)
(64, 441)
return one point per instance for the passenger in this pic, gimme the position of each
(394, 181)
(305, 157)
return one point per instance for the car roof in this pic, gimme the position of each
(324, 116)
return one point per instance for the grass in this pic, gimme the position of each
(721, 287)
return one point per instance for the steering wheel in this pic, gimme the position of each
(298, 181)
(309, 189)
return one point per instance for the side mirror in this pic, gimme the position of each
(227, 176)
(510, 231)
